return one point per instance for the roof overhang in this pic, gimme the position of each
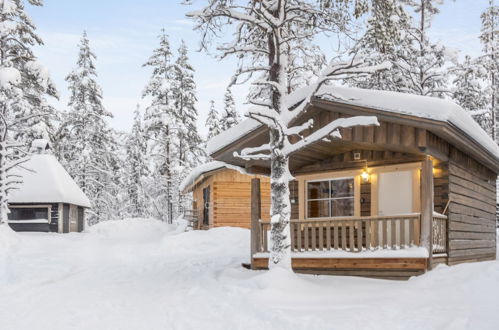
(445, 130)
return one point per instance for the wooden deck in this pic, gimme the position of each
(316, 244)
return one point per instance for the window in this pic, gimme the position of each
(28, 214)
(330, 198)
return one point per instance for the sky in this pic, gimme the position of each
(123, 34)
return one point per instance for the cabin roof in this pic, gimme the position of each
(444, 113)
(203, 171)
(46, 181)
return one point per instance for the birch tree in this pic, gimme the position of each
(265, 32)
(24, 85)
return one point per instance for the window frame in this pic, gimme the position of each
(35, 206)
(329, 179)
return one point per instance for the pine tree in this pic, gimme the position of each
(24, 85)
(161, 120)
(213, 121)
(184, 100)
(490, 62)
(387, 27)
(230, 117)
(419, 65)
(89, 146)
(136, 168)
(468, 92)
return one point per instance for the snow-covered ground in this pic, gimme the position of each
(141, 274)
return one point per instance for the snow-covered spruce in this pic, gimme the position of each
(87, 146)
(24, 85)
(213, 123)
(266, 39)
(230, 117)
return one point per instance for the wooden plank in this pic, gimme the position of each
(427, 205)
(328, 235)
(343, 235)
(471, 252)
(455, 208)
(321, 237)
(368, 234)
(359, 235)
(305, 236)
(365, 263)
(463, 218)
(298, 236)
(471, 236)
(454, 169)
(393, 229)
(472, 202)
(336, 239)
(460, 260)
(471, 244)
(458, 226)
(352, 239)
(314, 243)
(402, 227)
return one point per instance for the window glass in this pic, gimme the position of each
(342, 207)
(28, 213)
(330, 198)
(318, 189)
(318, 209)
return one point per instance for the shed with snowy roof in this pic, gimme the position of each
(384, 201)
(48, 199)
(221, 195)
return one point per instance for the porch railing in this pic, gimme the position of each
(439, 233)
(349, 234)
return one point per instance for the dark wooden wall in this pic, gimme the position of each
(365, 199)
(54, 216)
(472, 210)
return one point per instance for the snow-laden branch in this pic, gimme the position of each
(330, 129)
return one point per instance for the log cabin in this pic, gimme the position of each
(221, 196)
(48, 199)
(387, 201)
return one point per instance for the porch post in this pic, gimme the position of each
(255, 217)
(427, 207)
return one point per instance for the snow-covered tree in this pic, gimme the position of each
(88, 146)
(136, 168)
(468, 91)
(184, 101)
(213, 121)
(24, 85)
(387, 26)
(490, 61)
(265, 33)
(230, 117)
(420, 62)
(161, 121)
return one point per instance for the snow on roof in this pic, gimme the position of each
(46, 181)
(395, 102)
(205, 168)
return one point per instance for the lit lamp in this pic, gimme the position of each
(365, 174)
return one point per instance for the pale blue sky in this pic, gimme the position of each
(123, 34)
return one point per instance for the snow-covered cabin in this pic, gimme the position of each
(221, 195)
(48, 199)
(391, 200)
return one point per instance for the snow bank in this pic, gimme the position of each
(137, 274)
(8, 237)
(133, 229)
(205, 168)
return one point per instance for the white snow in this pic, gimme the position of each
(205, 168)
(46, 181)
(402, 103)
(141, 274)
(9, 76)
(29, 221)
(411, 252)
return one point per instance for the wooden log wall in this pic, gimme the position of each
(472, 210)
(365, 199)
(54, 218)
(232, 203)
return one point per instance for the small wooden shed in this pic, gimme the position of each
(48, 200)
(222, 195)
(389, 201)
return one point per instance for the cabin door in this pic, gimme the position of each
(395, 193)
(206, 206)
